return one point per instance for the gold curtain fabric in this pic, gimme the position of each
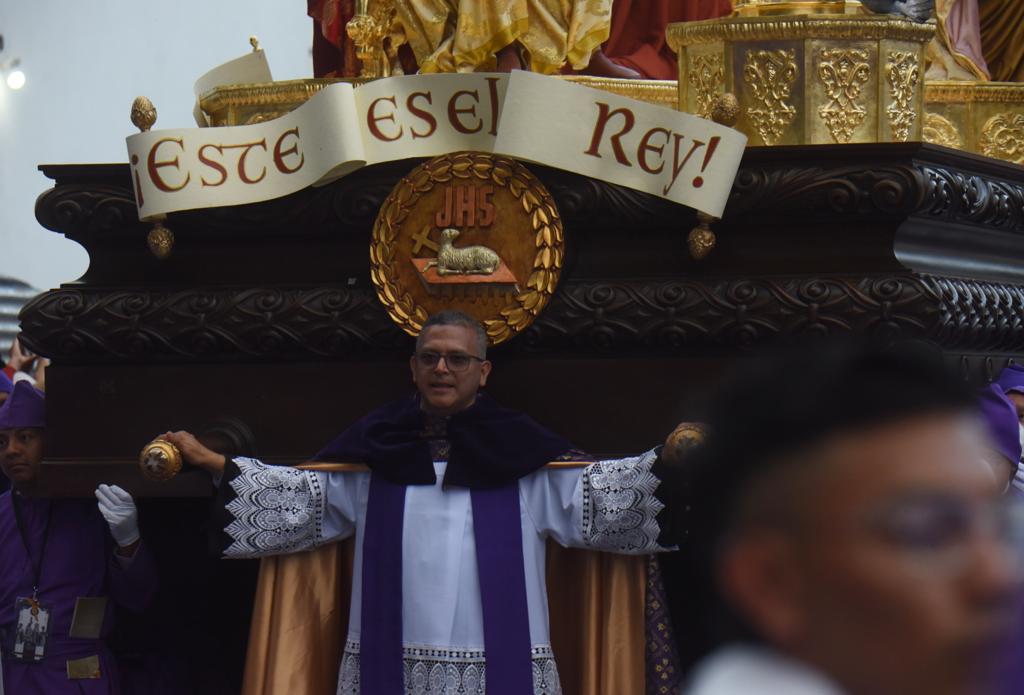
(464, 35)
(300, 619)
(1002, 38)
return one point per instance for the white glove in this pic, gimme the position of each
(118, 508)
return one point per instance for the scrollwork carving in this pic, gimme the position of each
(667, 316)
(941, 131)
(1002, 137)
(707, 77)
(843, 72)
(771, 75)
(902, 72)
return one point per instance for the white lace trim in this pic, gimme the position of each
(277, 510)
(443, 671)
(619, 506)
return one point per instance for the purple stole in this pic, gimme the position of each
(498, 532)
(391, 441)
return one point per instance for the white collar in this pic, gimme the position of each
(739, 670)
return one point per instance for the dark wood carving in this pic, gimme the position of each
(667, 316)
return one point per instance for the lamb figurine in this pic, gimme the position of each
(471, 260)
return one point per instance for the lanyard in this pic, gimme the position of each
(37, 565)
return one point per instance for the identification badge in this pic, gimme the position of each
(30, 633)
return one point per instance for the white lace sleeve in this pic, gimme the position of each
(276, 510)
(607, 505)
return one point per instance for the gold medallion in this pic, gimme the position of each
(470, 231)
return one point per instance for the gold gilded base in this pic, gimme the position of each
(986, 118)
(243, 104)
(807, 79)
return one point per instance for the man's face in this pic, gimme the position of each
(894, 581)
(21, 451)
(446, 388)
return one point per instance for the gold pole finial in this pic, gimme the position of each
(143, 114)
(701, 239)
(725, 110)
(255, 43)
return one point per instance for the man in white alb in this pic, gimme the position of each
(451, 511)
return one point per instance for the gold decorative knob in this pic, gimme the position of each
(725, 109)
(701, 239)
(160, 460)
(160, 240)
(143, 113)
(686, 436)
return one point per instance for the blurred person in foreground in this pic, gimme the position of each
(849, 533)
(60, 560)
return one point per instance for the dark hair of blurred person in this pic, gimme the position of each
(847, 532)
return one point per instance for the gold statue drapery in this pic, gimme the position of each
(464, 35)
(1002, 38)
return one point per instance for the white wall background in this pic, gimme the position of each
(85, 63)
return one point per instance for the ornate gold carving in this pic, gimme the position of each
(793, 28)
(683, 439)
(940, 131)
(726, 109)
(843, 72)
(1002, 137)
(374, 31)
(160, 240)
(903, 73)
(160, 460)
(771, 75)
(701, 239)
(527, 226)
(468, 260)
(143, 114)
(707, 77)
(951, 92)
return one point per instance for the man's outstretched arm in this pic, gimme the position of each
(272, 510)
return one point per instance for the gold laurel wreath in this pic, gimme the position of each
(505, 172)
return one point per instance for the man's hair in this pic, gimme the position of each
(774, 410)
(454, 317)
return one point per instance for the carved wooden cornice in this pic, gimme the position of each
(610, 318)
(873, 239)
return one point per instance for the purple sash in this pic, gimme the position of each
(381, 669)
(499, 548)
(498, 531)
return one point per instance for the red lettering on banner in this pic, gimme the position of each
(426, 116)
(372, 118)
(492, 89)
(216, 166)
(454, 111)
(646, 146)
(153, 166)
(280, 154)
(246, 147)
(605, 114)
(677, 166)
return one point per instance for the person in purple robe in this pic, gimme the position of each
(1003, 427)
(5, 390)
(63, 564)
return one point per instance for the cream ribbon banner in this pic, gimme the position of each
(667, 153)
